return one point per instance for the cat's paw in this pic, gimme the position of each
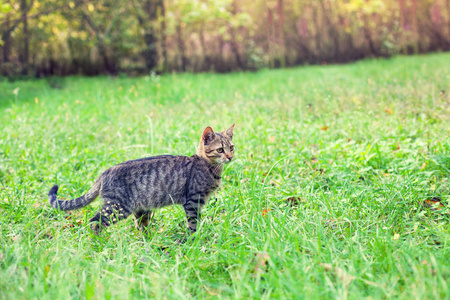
(96, 228)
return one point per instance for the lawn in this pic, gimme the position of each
(326, 197)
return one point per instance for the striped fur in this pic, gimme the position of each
(139, 186)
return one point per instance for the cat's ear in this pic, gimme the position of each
(229, 132)
(208, 135)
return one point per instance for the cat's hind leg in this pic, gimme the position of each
(143, 218)
(112, 211)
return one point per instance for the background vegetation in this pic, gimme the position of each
(329, 195)
(56, 37)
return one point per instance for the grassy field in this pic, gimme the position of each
(324, 200)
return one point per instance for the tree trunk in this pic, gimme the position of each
(414, 26)
(181, 47)
(367, 35)
(281, 43)
(25, 57)
(163, 36)
(448, 17)
(150, 35)
(401, 4)
(234, 45)
(6, 38)
(109, 66)
(270, 37)
(317, 33)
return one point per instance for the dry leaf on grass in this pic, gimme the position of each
(324, 127)
(434, 203)
(293, 201)
(389, 111)
(339, 273)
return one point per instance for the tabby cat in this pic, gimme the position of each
(138, 186)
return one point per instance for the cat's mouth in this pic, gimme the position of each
(227, 160)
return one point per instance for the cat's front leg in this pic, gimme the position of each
(192, 209)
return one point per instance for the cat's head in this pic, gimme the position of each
(218, 147)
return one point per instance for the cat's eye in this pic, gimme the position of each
(220, 150)
(231, 148)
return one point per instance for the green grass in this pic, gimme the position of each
(361, 146)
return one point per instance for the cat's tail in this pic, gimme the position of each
(74, 203)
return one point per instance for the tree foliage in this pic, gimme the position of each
(110, 36)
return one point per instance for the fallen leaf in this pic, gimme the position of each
(70, 225)
(423, 166)
(389, 111)
(324, 127)
(293, 201)
(338, 273)
(36, 205)
(272, 139)
(396, 237)
(261, 262)
(434, 203)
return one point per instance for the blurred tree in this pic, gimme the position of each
(149, 12)
(58, 37)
